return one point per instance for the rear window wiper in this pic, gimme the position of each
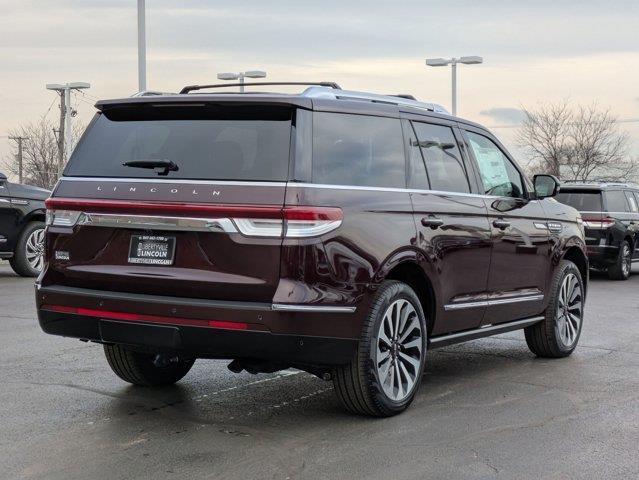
(162, 167)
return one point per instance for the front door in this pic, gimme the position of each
(520, 235)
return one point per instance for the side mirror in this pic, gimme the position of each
(546, 186)
(3, 178)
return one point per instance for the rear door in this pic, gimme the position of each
(208, 228)
(451, 222)
(520, 257)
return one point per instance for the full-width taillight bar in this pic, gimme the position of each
(598, 222)
(250, 220)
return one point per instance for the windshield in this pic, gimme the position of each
(204, 143)
(583, 201)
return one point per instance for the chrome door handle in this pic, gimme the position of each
(432, 222)
(501, 224)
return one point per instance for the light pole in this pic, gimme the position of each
(65, 141)
(442, 62)
(241, 75)
(141, 46)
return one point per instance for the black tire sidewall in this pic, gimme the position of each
(394, 291)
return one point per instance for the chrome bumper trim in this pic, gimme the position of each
(285, 307)
(148, 222)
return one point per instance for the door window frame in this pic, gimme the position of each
(464, 129)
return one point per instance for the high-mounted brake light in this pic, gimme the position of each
(250, 220)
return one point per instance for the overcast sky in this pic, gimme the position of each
(535, 52)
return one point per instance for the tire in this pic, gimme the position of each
(27, 260)
(557, 335)
(362, 386)
(138, 368)
(621, 269)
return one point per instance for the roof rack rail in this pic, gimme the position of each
(192, 88)
(597, 180)
(399, 100)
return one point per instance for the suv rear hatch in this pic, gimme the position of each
(588, 201)
(174, 199)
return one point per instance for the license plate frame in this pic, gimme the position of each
(152, 250)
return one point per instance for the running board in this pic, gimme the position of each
(487, 331)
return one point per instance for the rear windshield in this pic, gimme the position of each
(205, 142)
(582, 201)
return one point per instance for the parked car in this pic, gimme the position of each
(22, 215)
(341, 233)
(611, 221)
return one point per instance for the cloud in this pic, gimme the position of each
(505, 114)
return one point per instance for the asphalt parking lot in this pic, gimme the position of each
(486, 409)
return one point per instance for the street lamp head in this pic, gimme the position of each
(255, 74)
(78, 85)
(471, 60)
(64, 86)
(437, 62)
(227, 76)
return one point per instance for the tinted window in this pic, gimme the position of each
(358, 150)
(499, 175)
(205, 143)
(631, 200)
(616, 201)
(444, 164)
(583, 201)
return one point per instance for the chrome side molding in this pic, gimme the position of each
(490, 303)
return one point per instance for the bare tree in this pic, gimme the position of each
(598, 148)
(544, 134)
(577, 144)
(40, 153)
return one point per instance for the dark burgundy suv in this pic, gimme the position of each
(337, 232)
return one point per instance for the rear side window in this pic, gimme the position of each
(206, 143)
(443, 160)
(582, 201)
(616, 201)
(358, 150)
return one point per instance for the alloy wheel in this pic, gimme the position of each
(35, 249)
(399, 350)
(569, 310)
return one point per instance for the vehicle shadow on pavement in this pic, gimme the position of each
(264, 399)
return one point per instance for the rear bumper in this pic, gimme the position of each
(200, 328)
(599, 256)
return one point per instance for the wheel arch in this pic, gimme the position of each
(577, 256)
(412, 274)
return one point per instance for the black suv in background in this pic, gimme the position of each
(610, 215)
(22, 215)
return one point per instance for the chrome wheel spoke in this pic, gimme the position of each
(569, 310)
(399, 350)
(34, 249)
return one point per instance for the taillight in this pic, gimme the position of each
(250, 220)
(598, 223)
